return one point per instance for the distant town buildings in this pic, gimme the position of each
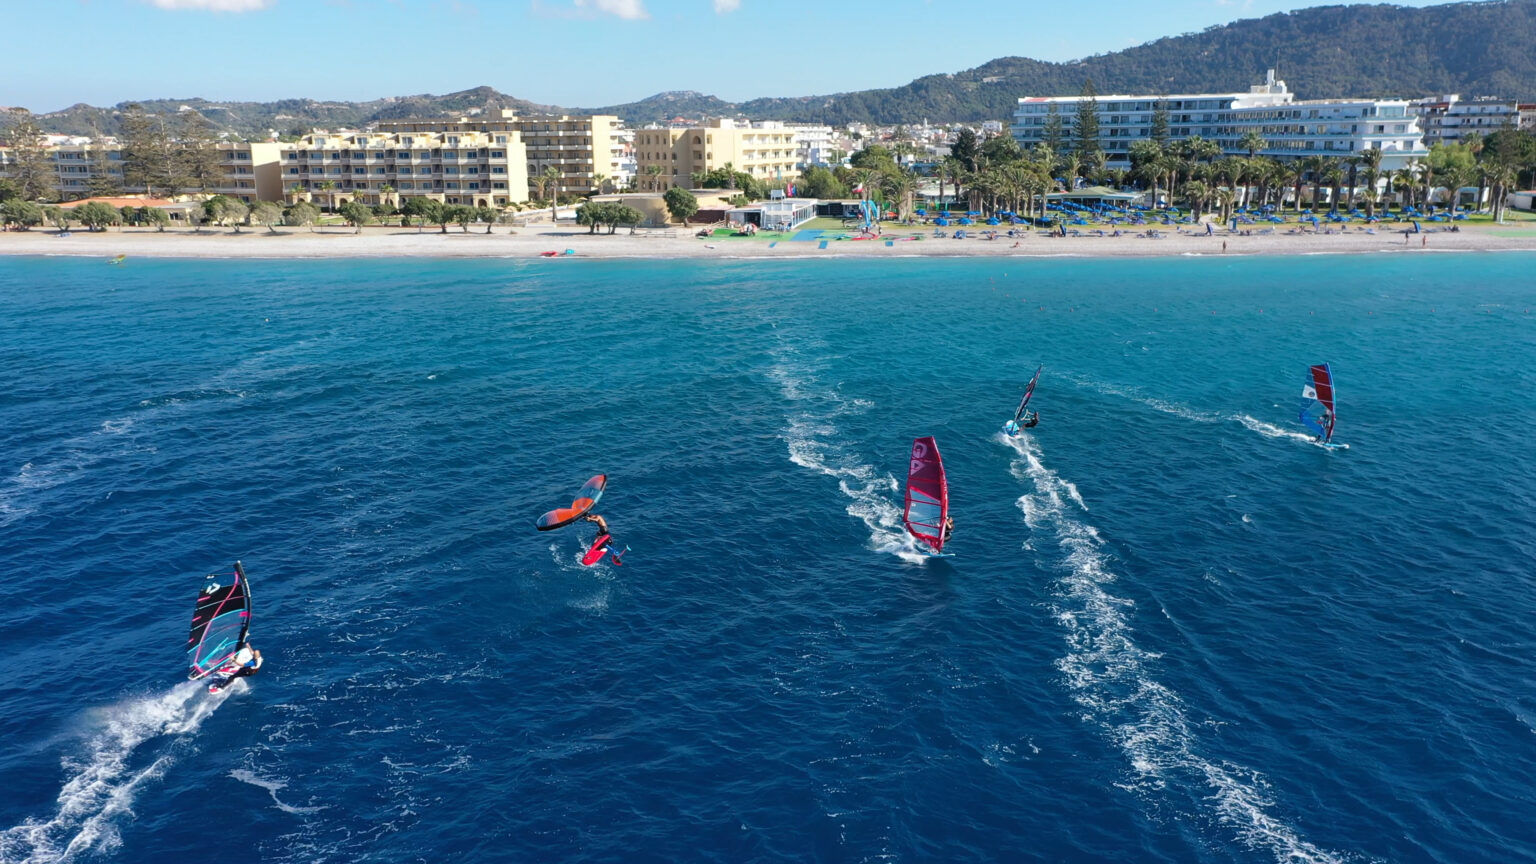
(1290, 129)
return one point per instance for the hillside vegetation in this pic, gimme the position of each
(1475, 48)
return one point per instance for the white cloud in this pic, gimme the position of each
(629, 10)
(724, 6)
(214, 5)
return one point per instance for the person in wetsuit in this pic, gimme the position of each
(1034, 420)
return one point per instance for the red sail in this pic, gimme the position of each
(927, 494)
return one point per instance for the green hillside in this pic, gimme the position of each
(1483, 48)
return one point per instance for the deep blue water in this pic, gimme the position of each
(1173, 631)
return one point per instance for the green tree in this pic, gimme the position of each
(1085, 132)
(1001, 150)
(1253, 142)
(1054, 135)
(104, 182)
(130, 215)
(151, 159)
(357, 214)
(464, 216)
(965, 149)
(96, 215)
(266, 213)
(197, 147)
(21, 213)
(818, 182)
(30, 169)
(58, 217)
(303, 213)
(156, 217)
(422, 209)
(328, 188)
(681, 204)
(1160, 122)
(487, 215)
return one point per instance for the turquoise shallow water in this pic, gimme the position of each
(1174, 630)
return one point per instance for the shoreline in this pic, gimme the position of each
(531, 243)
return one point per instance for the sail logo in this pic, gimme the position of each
(919, 454)
(1308, 391)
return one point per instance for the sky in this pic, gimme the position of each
(570, 53)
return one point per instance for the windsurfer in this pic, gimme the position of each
(247, 661)
(949, 527)
(599, 521)
(1034, 420)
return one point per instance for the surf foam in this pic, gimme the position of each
(102, 781)
(1109, 676)
(810, 435)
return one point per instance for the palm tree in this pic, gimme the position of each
(1253, 142)
(1503, 177)
(1403, 181)
(1319, 166)
(1371, 159)
(1353, 163)
(387, 194)
(598, 181)
(901, 186)
(329, 188)
(295, 192)
(1335, 178)
(1296, 174)
(1195, 194)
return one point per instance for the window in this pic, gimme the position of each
(474, 185)
(498, 185)
(498, 169)
(379, 171)
(449, 154)
(406, 184)
(450, 170)
(403, 155)
(472, 170)
(498, 154)
(359, 170)
(453, 139)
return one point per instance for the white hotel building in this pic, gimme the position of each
(1291, 129)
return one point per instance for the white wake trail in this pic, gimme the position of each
(1109, 675)
(810, 434)
(102, 781)
(1253, 424)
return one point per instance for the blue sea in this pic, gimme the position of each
(1174, 629)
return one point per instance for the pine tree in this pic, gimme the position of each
(198, 149)
(30, 170)
(1054, 136)
(1085, 132)
(1160, 122)
(103, 182)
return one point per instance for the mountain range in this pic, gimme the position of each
(1473, 48)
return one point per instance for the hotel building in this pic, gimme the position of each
(1450, 119)
(670, 157)
(589, 151)
(1291, 129)
(464, 161)
(252, 171)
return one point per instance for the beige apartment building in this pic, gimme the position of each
(252, 171)
(671, 157)
(588, 151)
(75, 162)
(471, 162)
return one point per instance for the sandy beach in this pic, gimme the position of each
(533, 241)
